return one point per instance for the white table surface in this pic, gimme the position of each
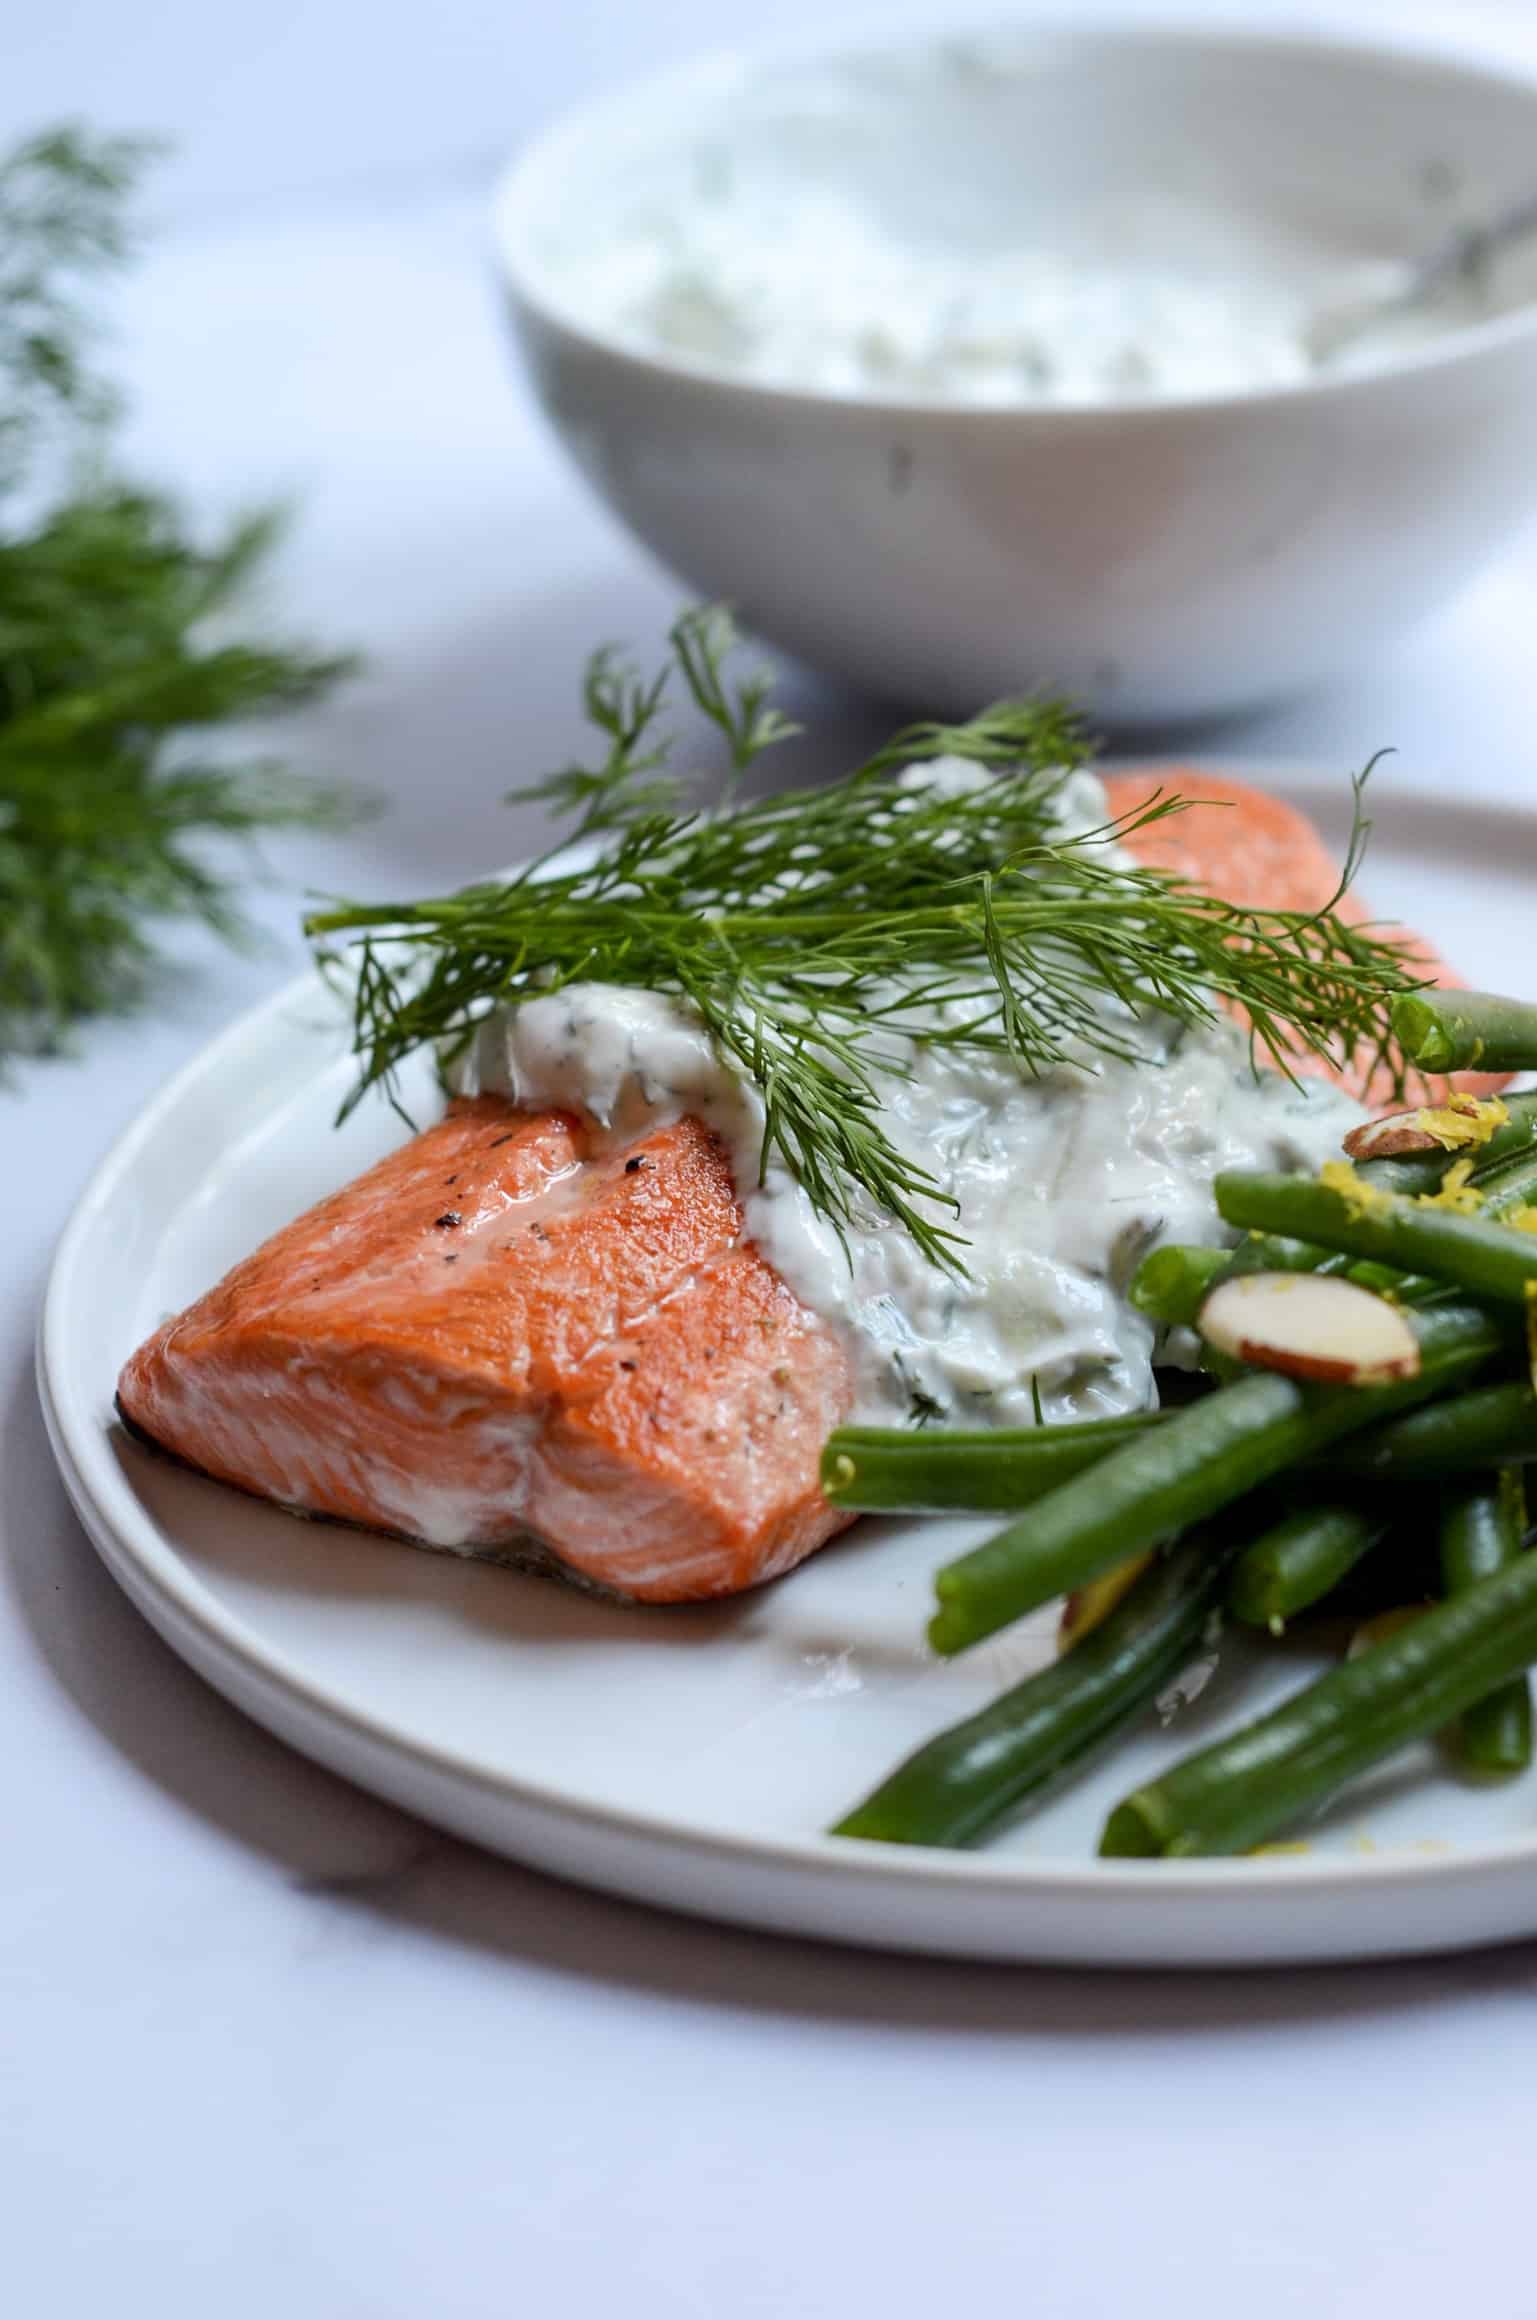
(268, 2047)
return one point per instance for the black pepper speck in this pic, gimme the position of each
(447, 1221)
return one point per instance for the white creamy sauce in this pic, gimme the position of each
(806, 290)
(1063, 1184)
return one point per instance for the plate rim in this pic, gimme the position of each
(110, 1510)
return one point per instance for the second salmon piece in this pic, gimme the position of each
(1257, 851)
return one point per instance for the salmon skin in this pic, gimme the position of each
(509, 1339)
(1262, 854)
(503, 1341)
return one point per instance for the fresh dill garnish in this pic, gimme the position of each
(114, 644)
(810, 929)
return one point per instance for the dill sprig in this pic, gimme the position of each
(811, 929)
(116, 656)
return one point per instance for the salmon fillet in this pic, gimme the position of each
(502, 1341)
(1261, 853)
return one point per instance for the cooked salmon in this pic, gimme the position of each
(509, 1338)
(1261, 853)
(500, 1341)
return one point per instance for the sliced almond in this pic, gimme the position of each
(1311, 1326)
(1387, 1139)
(1461, 1123)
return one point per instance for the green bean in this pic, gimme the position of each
(1468, 1252)
(1388, 1281)
(1515, 1139)
(1467, 1433)
(1483, 1530)
(1171, 1283)
(1250, 1786)
(1305, 1257)
(1275, 1253)
(1414, 1172)
(1505, 1177)
(1465, 1031)
(1003, 1469)
(1197, 1462)
(913, 1470)
(1504, 1186)
(959, 1784)
(1510, 1186)
(1298, 1561)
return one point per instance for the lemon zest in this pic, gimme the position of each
(1455, 1193)
(1360, 1198)
(1463, 1122)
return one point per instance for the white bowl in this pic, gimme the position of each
(1154, 559)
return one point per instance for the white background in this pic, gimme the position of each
(269, 2048)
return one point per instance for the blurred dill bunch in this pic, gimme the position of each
(119, 655)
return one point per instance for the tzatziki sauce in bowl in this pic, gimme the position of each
(967, 364)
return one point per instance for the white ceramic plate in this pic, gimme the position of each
(692, 1756)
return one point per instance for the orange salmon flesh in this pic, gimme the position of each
(1262, 854)
(495, 1342)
